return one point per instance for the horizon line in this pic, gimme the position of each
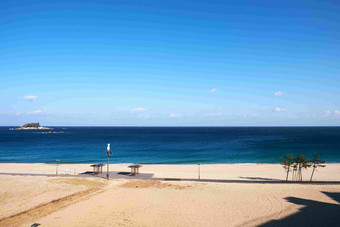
(174, 126)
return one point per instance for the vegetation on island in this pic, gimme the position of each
(31, 125)
(300, 162)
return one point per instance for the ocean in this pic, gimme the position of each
(168, 145)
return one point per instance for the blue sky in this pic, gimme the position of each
(170, 63)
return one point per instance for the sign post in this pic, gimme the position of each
(199, 171)
(108, 153)
(56, 171)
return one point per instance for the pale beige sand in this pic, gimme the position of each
(121, 202)
(217, 171)
(18, 194)
(152, 203)
(22, 194)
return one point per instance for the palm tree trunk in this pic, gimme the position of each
(300, 174)
(311, 177)
(287, 174)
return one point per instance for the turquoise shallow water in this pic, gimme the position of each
(173, 145)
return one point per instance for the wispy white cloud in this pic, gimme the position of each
(213, 90)
(326, 114)
(218, 114)
(279, 109)
(278, 93)
(31, 98)
(174, 115)
(36, 112)
(138, 110)
(24, 113)
(16, 113)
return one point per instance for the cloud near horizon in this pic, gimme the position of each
(278, 93)
(31, 98)
(138, 110)
(218, 114)
(213, 90)
(279, 109)
(36, 112)
(174, 115)
(330, 114)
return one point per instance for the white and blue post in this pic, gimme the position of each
(108, 153)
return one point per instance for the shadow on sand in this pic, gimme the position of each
(260, 178)
(314, 213)
(87, 172)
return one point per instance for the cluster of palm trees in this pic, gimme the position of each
(295, 165)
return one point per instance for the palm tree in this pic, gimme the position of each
(302, 162)
(286, 162)
(298, 167)
(294, 177)
(316, 162)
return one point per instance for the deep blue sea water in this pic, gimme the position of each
(173, 145)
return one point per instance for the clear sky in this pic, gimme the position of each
(170, 63)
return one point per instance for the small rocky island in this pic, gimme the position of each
(31, 126)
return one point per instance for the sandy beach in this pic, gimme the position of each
(83, 201)
(213, 171)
